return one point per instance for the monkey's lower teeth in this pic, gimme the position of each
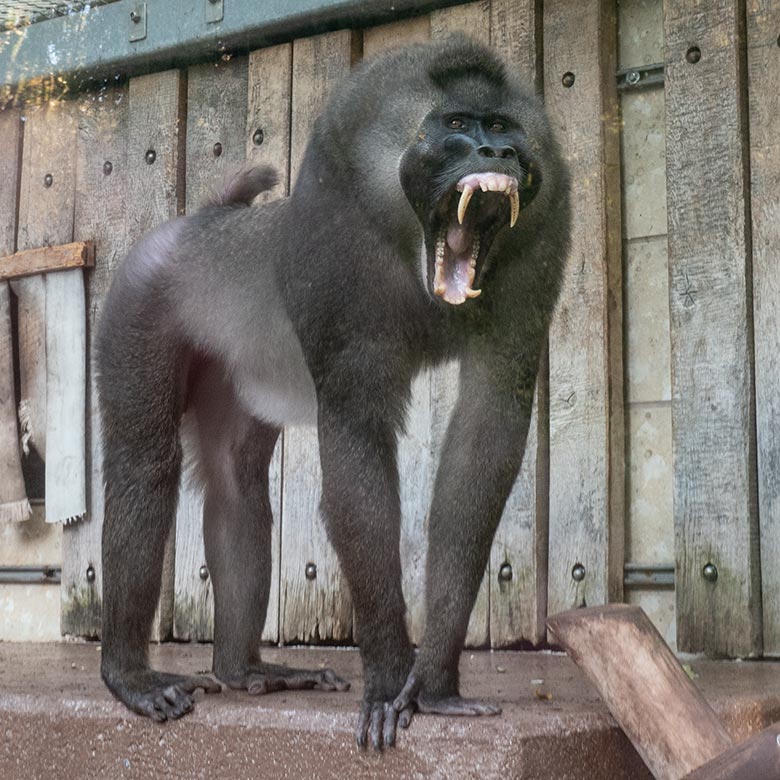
(454, 277)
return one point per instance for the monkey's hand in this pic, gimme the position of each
(379, 719)
(414, 695)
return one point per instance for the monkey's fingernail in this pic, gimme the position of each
(514, 202)
(473, 293)
(463, 204)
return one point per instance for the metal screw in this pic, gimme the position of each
(568, 79)
(217, 149)
(578, 572)
(151, 156)
(693, 55)
(633, 77)
(505, 573)
(107, 167)
(311, 571)
(48, 180)
(258, 137)
(90, 573)
(203, 573)
(135, 17)
(710, 572)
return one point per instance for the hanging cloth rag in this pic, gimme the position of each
(14, 506)
(66, 403)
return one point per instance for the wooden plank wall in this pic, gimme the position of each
(716, 521)
(723, 290)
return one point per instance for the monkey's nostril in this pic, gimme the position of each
(486, 151)
(497, 151)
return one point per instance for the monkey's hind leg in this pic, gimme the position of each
(142, 457)
(235, 453)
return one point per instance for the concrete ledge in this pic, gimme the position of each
(57, 720)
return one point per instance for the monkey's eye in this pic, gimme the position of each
(455, 123)
(497, 127)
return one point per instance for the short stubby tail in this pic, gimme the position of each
(242, 187)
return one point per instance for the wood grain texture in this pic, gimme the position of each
(473, 19)
(763, 57)
(518, 606)
(269, 109)
(10, 171)
(586, 372)
(100, 213)
(668, 721)
(709, 293)
(319, 609)
(756, 757)
(155, 188)
(216, 148)
(400, 33)
(47, 259)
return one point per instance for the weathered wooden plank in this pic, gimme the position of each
(10, 172)
(318, 609)
(473, 19)
(416, 458)
(100, 212)
(763, 23)
(586, 398)
(709, 292)
(78, 254)
(216, 147)
(155, 188)
(268, 110)
(518, 604)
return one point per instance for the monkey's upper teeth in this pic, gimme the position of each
(514, 203)
(488, 182)
(463, 203)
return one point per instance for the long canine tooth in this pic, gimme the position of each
(463, 203)
(514, 202)
(473, 293)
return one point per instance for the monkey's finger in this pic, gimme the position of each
(388, 732)
(208, 685)
(405, 718)
(377, 719)
(455, 705)
(338, 683)
(179, 701)
(408, 693)
(361, 734)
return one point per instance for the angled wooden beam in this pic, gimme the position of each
(80, 254)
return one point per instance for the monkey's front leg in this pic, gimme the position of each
(361, 506)
(480, 460)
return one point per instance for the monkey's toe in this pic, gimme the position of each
(378, 722)
(268, 678)
(455, 705)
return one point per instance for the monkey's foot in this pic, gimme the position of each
(378, 721)
(413, 693)
(262, 678)
(158, 695)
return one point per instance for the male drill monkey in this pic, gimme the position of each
(429, 222)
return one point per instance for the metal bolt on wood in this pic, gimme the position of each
(568, 79)
(258, 137)
(203, 573)
(135, 17)
(217, 149)
(151, 156)
(311, 571)
(578, 572)
(693, 55)
(48, 180)
(633, 77)
(107, 168)
(710, 572)
(505, 573)
(90, 573)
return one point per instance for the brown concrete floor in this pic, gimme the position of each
(58, 721)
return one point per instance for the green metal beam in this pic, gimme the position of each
(96, 44)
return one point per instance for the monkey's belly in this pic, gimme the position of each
(285, 396)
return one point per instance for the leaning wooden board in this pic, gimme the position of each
(763, 24)
(709, 291)
(586, 394)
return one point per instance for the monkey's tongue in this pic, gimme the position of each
(456, 261)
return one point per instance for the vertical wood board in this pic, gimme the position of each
(319, 609)
(586, 414)
(215, 148)
(100, 210)
(155, 193)
(709, 289)
(763, 58)
(10, 169)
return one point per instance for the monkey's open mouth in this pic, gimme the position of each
(469, 218)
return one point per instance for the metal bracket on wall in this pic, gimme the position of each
(215, 11)
(643, 76)
(658, 576)
(137, 21)
(30, 575)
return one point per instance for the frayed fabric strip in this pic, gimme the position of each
(15, 511)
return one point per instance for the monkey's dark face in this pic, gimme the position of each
(469, 176)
